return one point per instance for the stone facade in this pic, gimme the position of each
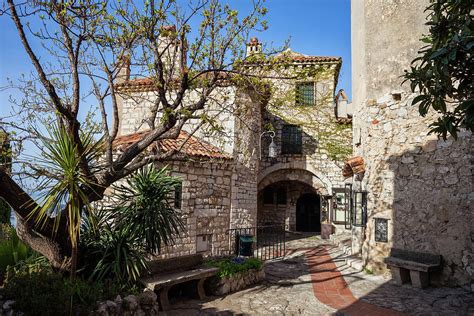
(205, 205)
(326, 139)
(422, 185)
(222, 194)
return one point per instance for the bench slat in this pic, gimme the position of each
(159, 281)
(412, 265)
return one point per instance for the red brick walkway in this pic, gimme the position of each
(331, 289)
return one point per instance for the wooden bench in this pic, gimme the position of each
(408, 265)
(166, 273)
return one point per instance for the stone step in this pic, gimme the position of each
(355, 262)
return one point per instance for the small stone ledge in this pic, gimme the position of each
(235, 282)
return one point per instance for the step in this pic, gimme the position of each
(355, 263)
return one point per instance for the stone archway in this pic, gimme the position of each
(293, 170)
(279, 192)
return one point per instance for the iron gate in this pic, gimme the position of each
(268, 241)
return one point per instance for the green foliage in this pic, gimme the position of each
(12, 249)
(229, 267)
(444, 68)
(5, 212)
(110, 251)
(68, 186)
(44, 292)
(114, 241)
(145, 208)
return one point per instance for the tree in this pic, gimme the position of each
(444, 69)
(87, 43)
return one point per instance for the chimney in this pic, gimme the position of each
(170, 47)
(254, 47)
(123, 73)
(341, 104)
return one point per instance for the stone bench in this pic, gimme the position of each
(408, 265)
(166, 273)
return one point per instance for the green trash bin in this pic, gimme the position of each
(246, 245)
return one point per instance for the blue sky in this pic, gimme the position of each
(315, 27)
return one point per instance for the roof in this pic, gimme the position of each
(302, 58)
(193, 146)
(148, 84)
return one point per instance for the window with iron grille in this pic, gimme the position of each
(305, 93)
(291, 140)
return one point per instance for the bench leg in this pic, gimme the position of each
(400, 275)
(200, 288)
(164, 302)
(419, 279)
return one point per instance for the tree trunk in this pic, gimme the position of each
(43, 239)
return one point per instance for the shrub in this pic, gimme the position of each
(44, 292)
(12, 249)
(229, 267)
(110, 252)
(115, 240)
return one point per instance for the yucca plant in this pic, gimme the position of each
(111, 251)
(145, 204)
(116, 239)
(66, 184)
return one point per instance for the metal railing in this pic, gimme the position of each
(268, 241)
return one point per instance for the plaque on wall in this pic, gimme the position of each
(381, 230)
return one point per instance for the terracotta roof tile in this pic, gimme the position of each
(194, 147)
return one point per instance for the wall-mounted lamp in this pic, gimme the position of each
(272, 148)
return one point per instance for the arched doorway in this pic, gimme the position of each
(308, 212)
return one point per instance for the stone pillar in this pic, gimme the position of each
(244, 178)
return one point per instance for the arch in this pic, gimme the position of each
(295, 171)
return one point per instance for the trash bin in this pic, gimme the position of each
(246, 245)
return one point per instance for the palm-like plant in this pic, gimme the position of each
(145, 205)
(115, 240)
(66, 182)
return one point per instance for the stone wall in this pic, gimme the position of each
(420, 184)
(326, 142)
(206, 191)
(136, 111)
(246, 162)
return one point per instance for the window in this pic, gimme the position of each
(281, 196)
(178, 192)
(274, 195)
(291, 140)
(381, 230)
(305, 93)
(339, 206)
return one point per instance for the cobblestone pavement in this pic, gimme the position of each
(314, 280)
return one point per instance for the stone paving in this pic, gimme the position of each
(314, 280)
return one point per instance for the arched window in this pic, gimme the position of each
(281, 195)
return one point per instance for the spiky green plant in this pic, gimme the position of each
(115, 240)
(145, 204)
(66, 182)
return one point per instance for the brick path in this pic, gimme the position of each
(331, 289)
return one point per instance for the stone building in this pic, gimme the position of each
(229, 177)
(419, 188)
